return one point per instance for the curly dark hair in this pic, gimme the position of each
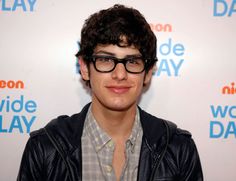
(121, 26)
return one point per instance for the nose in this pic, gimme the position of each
(119, 72)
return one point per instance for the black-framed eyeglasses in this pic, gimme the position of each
(105, 64)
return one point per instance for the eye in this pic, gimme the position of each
(135, 61)
(104, 59)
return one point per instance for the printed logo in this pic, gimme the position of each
(230, 90)
(11, 84)
(170, 53)
(17, 114)
(15, 5)
(223, 124)
(161, 27)
(224, 8)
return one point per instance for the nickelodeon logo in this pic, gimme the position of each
(11, 84)
(229, 89)
(161, 27)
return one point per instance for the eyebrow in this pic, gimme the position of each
(104, 52)
(113, 54)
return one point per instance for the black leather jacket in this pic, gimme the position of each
(54, 152)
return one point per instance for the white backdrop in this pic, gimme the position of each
(196, 51)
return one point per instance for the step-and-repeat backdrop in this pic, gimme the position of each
(194, 85)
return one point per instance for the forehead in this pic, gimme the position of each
(115, 50)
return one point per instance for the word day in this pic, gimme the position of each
(21, 124)
(25, 5)
(224, 8)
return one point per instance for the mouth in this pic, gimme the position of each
(118, 89)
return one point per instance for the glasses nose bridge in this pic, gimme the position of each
(120, 60)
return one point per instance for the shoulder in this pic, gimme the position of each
(62, 123)
(64, 130)
(38, 143)
(156, 128)
(179, 139)
(43, 140)
(174, 130)
(181, 142)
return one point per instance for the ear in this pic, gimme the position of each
(84, 70)
(148, 76)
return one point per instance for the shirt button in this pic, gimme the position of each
(108, 168)
(98, 148)
(110, 144)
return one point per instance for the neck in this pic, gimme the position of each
(117, 124)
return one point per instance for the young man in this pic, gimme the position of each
(112, 138)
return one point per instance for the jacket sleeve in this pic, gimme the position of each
(190, 165)
(31, 167)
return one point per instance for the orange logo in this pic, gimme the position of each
(161, 27)
(11, 84)
(229, 89)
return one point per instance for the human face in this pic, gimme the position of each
(117, 90)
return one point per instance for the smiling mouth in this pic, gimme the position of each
(118, 89)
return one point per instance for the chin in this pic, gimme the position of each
(121, 106)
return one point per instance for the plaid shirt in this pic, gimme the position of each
(98, 149)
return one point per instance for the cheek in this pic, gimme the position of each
(97, 80)
(93, 75)
(141, 79)
(139, 83)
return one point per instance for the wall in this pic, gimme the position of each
(194, 86)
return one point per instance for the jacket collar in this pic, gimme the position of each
(153, 128)
(67, 131)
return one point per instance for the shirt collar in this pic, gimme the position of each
(100, 138)
(136, 130)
